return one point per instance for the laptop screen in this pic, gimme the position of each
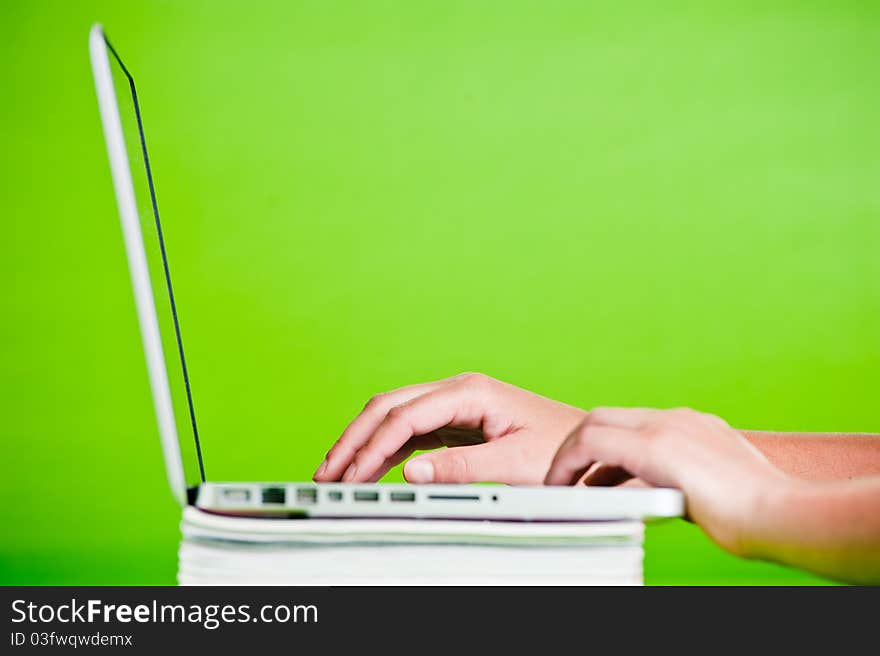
(158, 237)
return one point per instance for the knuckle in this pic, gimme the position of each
(715, 419)
(472, 379)
(655, 431)
(683, 414)
(396, 413)
(376, 401)
(598, 414)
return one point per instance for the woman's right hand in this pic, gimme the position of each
(496, 433)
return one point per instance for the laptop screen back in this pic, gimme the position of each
(158, 242)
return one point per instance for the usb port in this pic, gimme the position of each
(364, 495)
(334, 495)
(306, 495)
(273, 495)
(407, 497)
(237, 494)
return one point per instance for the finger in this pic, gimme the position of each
(456, 404)
(635, 482)
(420, 443)
(359, 430)
(589, 444)
(481, 463)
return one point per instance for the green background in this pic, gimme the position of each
(609, 203)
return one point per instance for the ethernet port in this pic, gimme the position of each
(274, 495)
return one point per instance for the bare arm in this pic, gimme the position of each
(820, 456)
(745, 503)
(829, 527)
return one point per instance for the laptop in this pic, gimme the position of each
(124, 132)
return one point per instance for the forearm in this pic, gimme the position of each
(820, 456)
(831, 528)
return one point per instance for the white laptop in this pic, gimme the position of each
(151, 276)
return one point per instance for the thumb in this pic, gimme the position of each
(480, 463)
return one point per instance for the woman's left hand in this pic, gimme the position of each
(724, 478)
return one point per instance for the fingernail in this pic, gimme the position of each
(350, 473)
(419, 471)
(321, 469)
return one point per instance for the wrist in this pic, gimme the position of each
(775, 504)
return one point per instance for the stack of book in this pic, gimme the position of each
(223, 550)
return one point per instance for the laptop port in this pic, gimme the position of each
(334, 495)
(406, 497)
(365, 495)
(306, 495)
(273, 495)
(237, 494)
(454, 497)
